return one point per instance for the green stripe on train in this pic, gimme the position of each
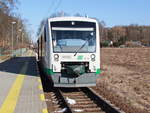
(98, 71)
(80, 57)
(48, 71)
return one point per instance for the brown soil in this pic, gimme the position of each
(125, 78)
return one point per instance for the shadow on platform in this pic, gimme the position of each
(15, 65)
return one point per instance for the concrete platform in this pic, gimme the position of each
(20, 86)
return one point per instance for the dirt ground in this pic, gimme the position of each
(125, 78)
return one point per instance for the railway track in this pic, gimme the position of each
(75, 100)
(79, 100)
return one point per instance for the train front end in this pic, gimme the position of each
(75, 52)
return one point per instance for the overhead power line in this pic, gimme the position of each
(58, 4)
(53, 7)
(50, 7)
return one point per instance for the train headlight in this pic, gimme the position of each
(56, 57)
(93, 57)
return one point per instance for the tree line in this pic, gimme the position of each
(10, 24)
(121, 35)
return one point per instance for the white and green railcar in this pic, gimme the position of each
(69, 51)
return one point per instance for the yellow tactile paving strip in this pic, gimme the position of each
(42, 96)
(12, 97)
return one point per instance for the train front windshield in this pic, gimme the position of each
(72, 39)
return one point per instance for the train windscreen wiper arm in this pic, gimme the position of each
(83, 44)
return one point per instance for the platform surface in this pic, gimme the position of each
(20, 86)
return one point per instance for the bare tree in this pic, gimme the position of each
(6, 19)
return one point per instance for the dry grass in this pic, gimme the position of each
(126, 75)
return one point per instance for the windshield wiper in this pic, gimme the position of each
(83, 44)
(60, 48)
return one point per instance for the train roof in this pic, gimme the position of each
(72, 19)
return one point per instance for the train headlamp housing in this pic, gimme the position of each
(56, 57)
(93, 57)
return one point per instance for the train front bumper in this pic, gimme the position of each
(84, 80)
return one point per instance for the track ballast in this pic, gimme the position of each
(81, 100)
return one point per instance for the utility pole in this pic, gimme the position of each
(22, 42)
(12, 36)
(20, 35)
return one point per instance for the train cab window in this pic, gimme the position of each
(70, 36)
(70, 41)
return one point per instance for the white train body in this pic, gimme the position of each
(69, 50)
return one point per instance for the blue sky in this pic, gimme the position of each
(112, 12)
